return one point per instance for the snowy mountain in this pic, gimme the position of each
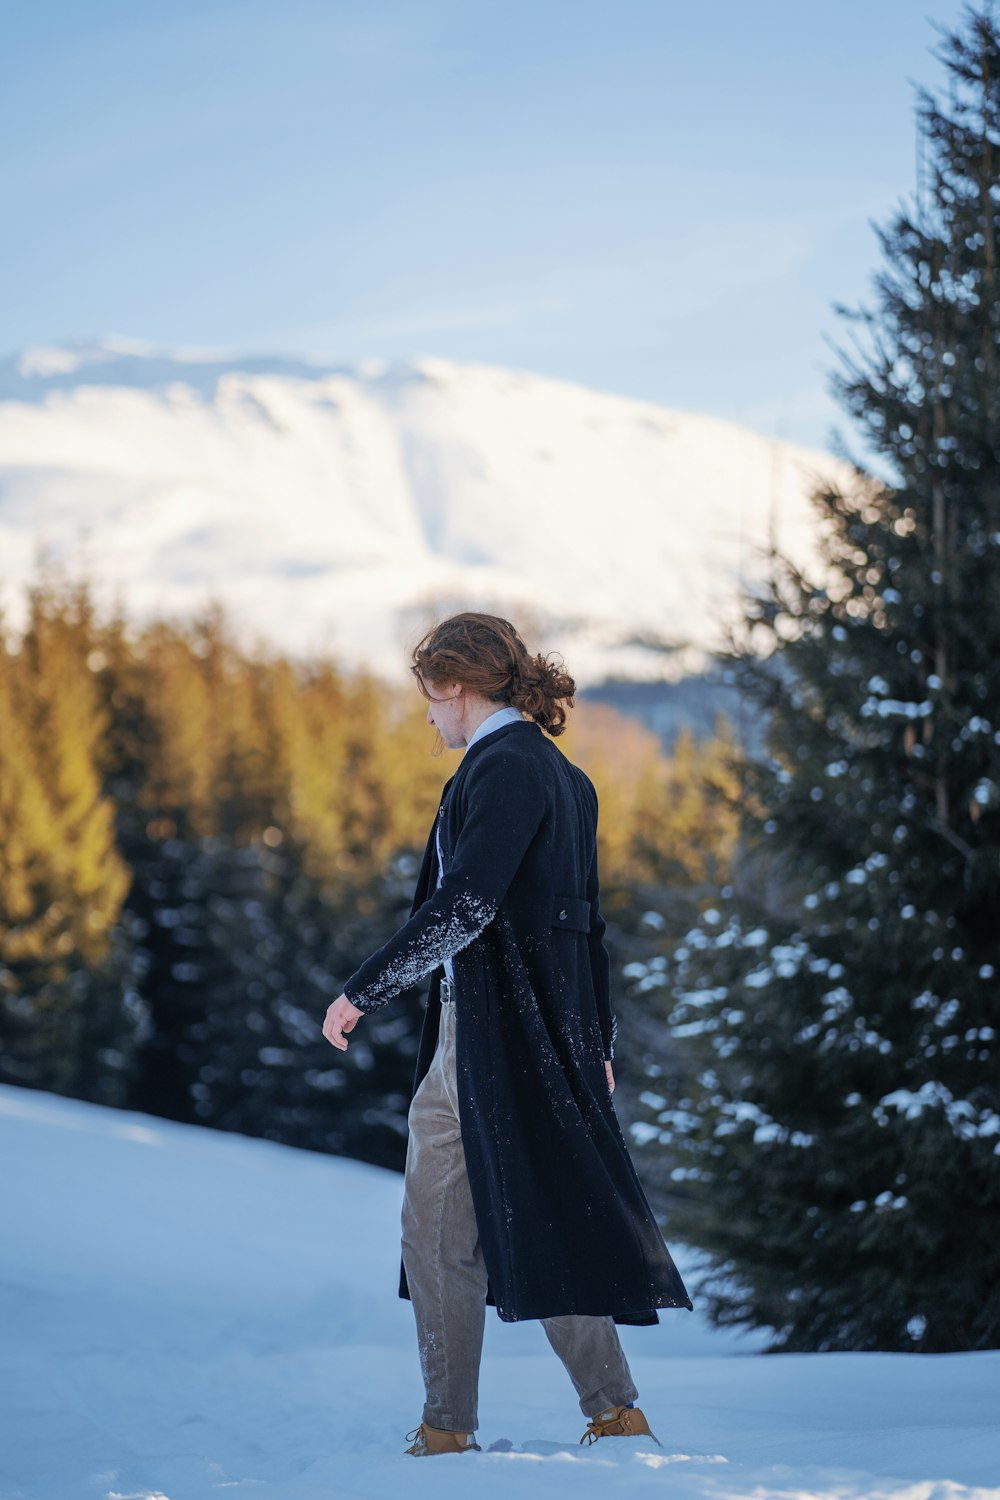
(189, 1313)
(342, 508)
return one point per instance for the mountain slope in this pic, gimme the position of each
(336, 508)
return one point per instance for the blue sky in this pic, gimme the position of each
(658, 199)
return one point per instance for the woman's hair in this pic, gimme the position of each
(485, 653)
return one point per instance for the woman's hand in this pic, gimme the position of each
(341, 1017)
(611, 1077)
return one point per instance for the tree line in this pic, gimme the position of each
(200, 842)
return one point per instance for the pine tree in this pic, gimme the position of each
(62, 880)
(838, 1157)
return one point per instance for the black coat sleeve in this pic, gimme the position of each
(505, 806)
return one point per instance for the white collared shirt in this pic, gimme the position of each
(506, 715)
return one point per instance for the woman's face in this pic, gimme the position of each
(446, 711)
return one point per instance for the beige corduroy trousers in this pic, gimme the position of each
(446, 1275)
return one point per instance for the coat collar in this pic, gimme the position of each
(515, 727)
(505, 714)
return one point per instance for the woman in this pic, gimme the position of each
(519, 1188)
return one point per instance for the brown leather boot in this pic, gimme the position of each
(436, 1440)
(619, 1421)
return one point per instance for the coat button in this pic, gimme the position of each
(563, 914)
(440, 812)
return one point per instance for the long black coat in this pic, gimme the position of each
(563, 1222)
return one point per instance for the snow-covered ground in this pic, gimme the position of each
(339, 509)
(188, 1314)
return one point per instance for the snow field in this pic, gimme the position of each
(189, 1314)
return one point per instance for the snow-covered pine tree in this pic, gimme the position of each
(840, 1156)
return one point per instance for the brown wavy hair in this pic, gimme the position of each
(485, 653)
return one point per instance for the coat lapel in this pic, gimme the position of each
(427, 876)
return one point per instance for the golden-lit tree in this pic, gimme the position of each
(64, 881)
